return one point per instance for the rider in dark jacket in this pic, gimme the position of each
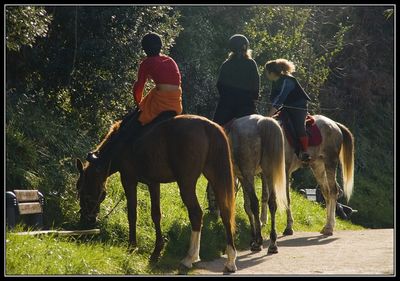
(238, 87)
(287, 93)
(238, 82)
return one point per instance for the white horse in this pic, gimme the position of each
(337, 145)
(257, 145)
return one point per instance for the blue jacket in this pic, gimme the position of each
(287, 91)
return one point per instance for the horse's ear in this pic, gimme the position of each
(79, 165)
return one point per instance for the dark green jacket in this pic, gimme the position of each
(239, 79)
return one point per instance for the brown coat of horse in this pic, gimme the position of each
(179, 149)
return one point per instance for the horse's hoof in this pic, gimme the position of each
(188, 261)
(326, 232)
(153, 260)
(255, 247)
(288, 231)
(273, 249)
(227, 270)
(230, 267)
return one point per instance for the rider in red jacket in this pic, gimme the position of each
(162, 102)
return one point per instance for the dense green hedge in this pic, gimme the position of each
(70, 72)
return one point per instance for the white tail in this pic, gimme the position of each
(274, 151)
(347, 160)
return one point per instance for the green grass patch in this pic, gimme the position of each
(107, 253)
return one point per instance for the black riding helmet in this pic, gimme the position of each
(151, 44)
(237, 41)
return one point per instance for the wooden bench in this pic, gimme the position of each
(26, 203)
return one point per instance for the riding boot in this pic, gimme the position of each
(304, 155)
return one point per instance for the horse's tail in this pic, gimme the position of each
(347, 160)
(273, 153)
(220, 174)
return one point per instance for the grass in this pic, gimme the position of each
(107, 253)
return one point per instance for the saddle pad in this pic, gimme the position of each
(312, 130)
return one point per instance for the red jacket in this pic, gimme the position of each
(161, 69)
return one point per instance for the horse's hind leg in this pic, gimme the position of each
(264, 200)
(289, 218)
(188, 194)
(221, 189)
(326, 178)
(252, 211)
(154, 190)
(247, 208)
(273, 247)
(333, 193)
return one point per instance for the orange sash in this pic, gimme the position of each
(157, 101)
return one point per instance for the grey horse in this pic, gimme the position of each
(337, 145)
(257, 145)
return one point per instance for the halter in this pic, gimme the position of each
(99, 199)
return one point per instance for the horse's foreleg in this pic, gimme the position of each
(289, 218)
(273, 247)
(154, 190)
(130, 187)
(189, 198)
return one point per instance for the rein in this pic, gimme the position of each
(120, 199)
(300, 108)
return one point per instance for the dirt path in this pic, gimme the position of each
(346, 252)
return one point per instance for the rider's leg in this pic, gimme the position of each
(298, 117)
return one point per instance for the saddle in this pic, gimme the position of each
(312, 130)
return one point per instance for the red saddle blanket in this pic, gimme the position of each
(312, 130)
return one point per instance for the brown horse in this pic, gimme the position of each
(175, 150)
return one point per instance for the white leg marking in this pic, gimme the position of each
(230, 263)
(194, 250)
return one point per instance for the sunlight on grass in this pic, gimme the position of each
(107, 253)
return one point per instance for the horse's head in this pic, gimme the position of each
(91, 192)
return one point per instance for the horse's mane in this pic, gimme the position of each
(113, 130)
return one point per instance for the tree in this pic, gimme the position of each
(65, 90)
(24, 24)
(297, 34)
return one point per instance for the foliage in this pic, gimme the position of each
(298, 34)
(200, 50)
(24, 24)
(66, 90)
